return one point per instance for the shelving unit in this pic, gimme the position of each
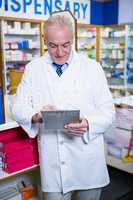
(112, 56)
(4, 176)
(117, 163)
(21, 41)
(21, 44)
(29, 175)
(118, 139)
(87, 40)
(129, 57)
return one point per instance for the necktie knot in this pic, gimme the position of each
(58, 69)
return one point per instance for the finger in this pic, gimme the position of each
(39, 116)
(75, 134)
(75, 125)
(77, 129)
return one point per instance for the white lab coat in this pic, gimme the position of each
(67, 163)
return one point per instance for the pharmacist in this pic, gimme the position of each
(62, 79)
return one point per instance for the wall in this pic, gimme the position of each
(125, 11)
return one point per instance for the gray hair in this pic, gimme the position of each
(60, 20)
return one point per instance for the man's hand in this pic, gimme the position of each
(78, 128)
(37, 118)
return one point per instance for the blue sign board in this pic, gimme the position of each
(42, 9)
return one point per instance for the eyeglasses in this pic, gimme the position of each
(54, 46)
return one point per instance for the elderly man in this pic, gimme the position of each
(62, 79)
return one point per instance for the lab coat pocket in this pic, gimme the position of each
(94, 147)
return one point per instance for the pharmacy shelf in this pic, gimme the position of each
(18, 61)
(119, 164)
(86, 40)
(112, 58)
(5, 176)
(117, 87)
(22, 34)
(9, 125)
(116, 57)
(19, 40)
(121, 87)
(85, 36)
(14, 49)
(129, 55)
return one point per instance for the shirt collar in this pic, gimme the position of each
(64, 67)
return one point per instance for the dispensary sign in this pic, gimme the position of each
(41, 9)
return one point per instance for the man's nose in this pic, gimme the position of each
(59, 51)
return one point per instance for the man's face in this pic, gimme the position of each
(58, 41)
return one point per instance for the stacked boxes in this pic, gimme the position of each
(18, 151)
(118, 138)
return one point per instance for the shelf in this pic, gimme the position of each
(85, 49)
(18, 61)
(22, 34)
(112, 49)
(20, 44)
(119, 164)
(117, 87)
(4, 175)
(86, 40)
(9, 125)
(21, 49)
(131, 48)
(113, 68)
(114, 37)
(112, 58)
(85, 36)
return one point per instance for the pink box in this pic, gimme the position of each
(124, 118)
(15, 166)
(12, 134)
(18, 150)
(15, 146)
(23, 158)
(18, 156)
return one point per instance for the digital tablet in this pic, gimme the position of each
(57, 119)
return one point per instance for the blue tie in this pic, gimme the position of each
(58, 69)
